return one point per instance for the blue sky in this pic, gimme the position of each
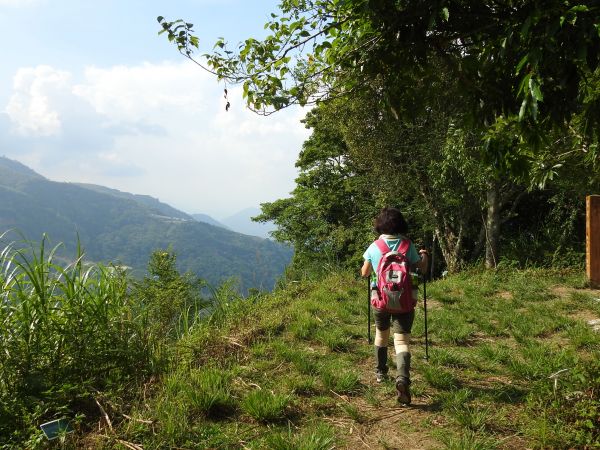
(90, 93)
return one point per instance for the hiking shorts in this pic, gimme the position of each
(401, 323)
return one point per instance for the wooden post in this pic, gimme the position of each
(593, 240)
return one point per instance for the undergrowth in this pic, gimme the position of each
(293, 370)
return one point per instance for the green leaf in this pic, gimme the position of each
(445, 14)
(523, 109)
(534, 109)
(534, 88)
(579, 8)
(523, 61)
(523, 84)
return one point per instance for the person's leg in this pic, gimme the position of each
(401, 345)
(402, 325)
(382, 337)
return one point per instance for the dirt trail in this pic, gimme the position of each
(381, 422)
(392, 426)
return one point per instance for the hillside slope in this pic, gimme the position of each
(209, 220)
(119, 227)
(293, 370)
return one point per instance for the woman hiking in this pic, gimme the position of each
(392, 228)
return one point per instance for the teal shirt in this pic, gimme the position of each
(373, 254)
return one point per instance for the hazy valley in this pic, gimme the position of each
(122, 228)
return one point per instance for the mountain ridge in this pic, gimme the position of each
(115, 226)
(200, 217)
(242, 223)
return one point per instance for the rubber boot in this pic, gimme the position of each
(381, 355)
(403, 378)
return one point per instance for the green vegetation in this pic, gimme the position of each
(478, 119)
(68, 333)
(125, 229)
(114, 358)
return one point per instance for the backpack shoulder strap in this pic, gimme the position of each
(382, 246)
(404, 247)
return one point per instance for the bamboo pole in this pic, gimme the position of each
(593, 240)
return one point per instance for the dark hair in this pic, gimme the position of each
(390, 221)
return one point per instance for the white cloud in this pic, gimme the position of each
(30, 107)
(148, 91)
(158, 129)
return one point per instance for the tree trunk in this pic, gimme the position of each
(492, 226)
(449, 239)
(451, 248)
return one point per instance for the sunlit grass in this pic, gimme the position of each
(265, 406)
(293, 370)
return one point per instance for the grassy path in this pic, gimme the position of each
(293, 371)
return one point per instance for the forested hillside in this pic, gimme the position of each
(125, 229)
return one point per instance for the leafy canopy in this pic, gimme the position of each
(523, 67)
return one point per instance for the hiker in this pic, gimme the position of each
(392, 228)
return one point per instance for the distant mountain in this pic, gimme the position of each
(209, 220)
(124, 228)
(242, 223)
(14, 174)
(151, 202)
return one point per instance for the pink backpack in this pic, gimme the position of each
(394, 283)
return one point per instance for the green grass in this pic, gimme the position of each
(340, 379)
(448, 357)
(292, 370)
(440, 378)
(468, 440)
(265, 406)
(454, 399)
(67, 330)
(471, 417)
(314, 437)
(487, 361)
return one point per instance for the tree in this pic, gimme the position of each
(358, 160)
(522, 73)
(523, 68)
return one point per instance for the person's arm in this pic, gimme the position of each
(366, 268)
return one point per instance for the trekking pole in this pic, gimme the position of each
(432, 256)
(369, 309)
(425, 311)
